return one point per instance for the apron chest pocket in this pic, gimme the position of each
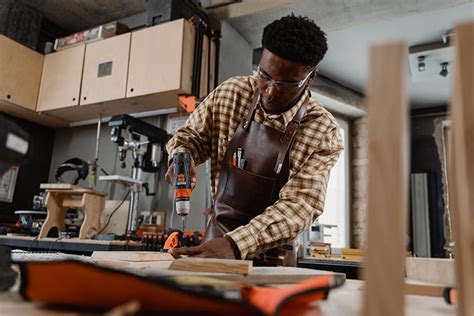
(247, 192)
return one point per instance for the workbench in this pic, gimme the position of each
(346, 300)
(351, 268)
(74, 245)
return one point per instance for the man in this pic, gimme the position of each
(271, 149)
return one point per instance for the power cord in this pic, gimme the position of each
(113, 212)
(32, 242)
(54, 242)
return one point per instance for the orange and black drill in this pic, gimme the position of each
(182, 183)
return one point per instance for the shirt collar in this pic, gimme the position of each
(289, 114)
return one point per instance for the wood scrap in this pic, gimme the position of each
(59, 186)
(134, 256)
(212, 265)
(424, 288)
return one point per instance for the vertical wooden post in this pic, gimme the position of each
(387, 126)
(461, 166)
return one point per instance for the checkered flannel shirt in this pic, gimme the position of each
(315, 149)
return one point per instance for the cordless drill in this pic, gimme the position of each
(182, 183)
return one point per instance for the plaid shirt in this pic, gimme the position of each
(315, 149)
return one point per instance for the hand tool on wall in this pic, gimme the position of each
(182, 183)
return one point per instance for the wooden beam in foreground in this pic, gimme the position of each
(387, 126)
(461, 166)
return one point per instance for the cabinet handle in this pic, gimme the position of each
(131, 90)
(85, 98)
(74, 99)
(9, 96)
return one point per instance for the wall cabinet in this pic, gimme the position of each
(61, 79)
(20, 73)
(161, 59)
(140, 71)
(105, 70)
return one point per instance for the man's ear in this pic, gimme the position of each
(313, 76)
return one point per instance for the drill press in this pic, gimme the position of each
(146, 143)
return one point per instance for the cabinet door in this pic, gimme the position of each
(20, 73)
(61, 79)
(105, 70)
(161, 59)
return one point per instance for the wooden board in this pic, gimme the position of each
(62, 186)
(423, 288)
(212, 265)
(434, 270)
(387, 127)
(134, 256)
(461, 167)
(258, 275)
(75, 191)
(167, 101)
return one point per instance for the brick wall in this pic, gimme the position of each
(359, 183)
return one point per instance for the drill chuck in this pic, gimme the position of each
(182, 207)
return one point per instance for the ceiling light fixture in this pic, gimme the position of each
(444, 70)
(426, 60)
(421, 63)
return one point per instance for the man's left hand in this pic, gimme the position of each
(215, 248)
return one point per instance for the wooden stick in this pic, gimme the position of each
(423, 289)
(212, 265)
(461, 168)
(387, 126)
(136, 256)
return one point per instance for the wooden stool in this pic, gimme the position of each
(58, 201)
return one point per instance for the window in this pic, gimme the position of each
(335, 218)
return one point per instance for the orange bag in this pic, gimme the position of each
(84, 285)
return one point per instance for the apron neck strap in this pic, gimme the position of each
(290, 132)
(251, 112)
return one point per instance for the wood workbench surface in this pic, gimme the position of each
(343, 301)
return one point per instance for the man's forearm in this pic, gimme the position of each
(272, 228)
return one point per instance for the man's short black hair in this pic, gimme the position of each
(295, 38)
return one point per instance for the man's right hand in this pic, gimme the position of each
(169, 174)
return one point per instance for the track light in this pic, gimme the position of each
(444, 69)
(421, 63)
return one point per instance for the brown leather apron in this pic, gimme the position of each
(244, 193)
